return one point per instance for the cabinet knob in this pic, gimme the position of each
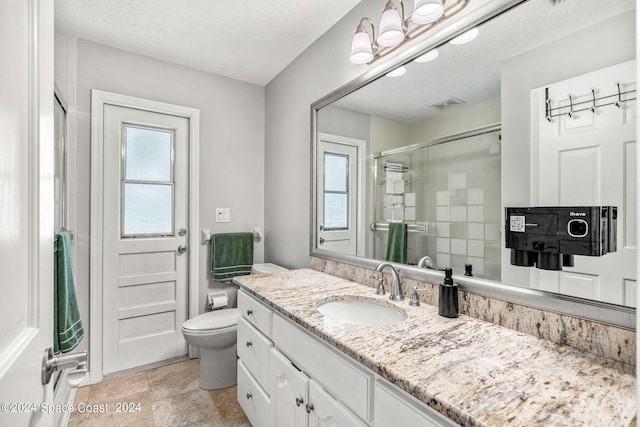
(249, 396)
(309, 408)
(249, 343)
(299, 401)
(249, 312)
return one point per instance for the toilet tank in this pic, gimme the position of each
(266, 268)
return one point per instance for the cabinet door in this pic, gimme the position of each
(288, 392)
(393, 407)
(325, 411)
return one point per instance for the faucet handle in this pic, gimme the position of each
(380, 286)
(413, 299)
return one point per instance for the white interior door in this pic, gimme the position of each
(145, 228)
(590, 159)
(26, 206)
(340, 194)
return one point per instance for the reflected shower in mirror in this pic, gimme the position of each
(451, 143)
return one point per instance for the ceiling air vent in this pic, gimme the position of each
(448, 102)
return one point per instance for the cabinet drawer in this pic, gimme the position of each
(394, 407)
(341, 377)
(253, 351)
(254, 401)
(255, 312)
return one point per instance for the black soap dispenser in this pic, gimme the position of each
(448, 299)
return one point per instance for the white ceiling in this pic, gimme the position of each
(248, 40)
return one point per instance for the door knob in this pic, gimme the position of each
(321, 240)
(182, 249)
(51, 363)
(182, 232)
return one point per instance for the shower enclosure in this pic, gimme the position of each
(448, 194)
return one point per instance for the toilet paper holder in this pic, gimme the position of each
(217, 300)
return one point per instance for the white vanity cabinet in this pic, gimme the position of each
(289, 378)
(298, 401)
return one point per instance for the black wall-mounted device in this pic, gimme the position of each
(549, 237)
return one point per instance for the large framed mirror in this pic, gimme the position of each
(538, 110)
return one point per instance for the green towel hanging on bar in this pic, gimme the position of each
(231, 255)
(67, 325)
(397, 243)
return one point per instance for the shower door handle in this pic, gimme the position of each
(182, 249)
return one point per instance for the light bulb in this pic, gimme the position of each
(427, 11)
(361, 48)
(391, 33)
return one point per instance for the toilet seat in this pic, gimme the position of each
(212, 320)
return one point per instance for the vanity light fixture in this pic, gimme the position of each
(397, 72)
(465, 37)
(428, 57)
(396, 29)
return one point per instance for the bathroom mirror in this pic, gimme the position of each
(447, 145)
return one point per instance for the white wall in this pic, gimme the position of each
(569, 57)
(231, 141)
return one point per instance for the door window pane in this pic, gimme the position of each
(336, 193)
(335, 172)
(147, 182)
(147, 154)
(148, 209)
(336, 211)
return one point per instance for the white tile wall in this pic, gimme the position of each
(443, 213)
(443, 229)
(475, 230)
(458, 246)
(443, 245)
(475, 248)
(458, 213)
(475, 214)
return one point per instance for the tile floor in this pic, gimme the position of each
(168, 396)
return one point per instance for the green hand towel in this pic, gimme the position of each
(67, 325)
(397, 243)
(231, 255)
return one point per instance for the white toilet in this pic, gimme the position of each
(214, 333)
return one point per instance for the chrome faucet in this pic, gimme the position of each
(396, 284)
(425, 262)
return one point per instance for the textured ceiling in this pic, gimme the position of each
(248, 40)
(473, 70)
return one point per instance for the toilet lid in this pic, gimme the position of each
(216, 319)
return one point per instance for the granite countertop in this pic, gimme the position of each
(474, 372)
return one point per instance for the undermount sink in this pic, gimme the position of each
(358, 312)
